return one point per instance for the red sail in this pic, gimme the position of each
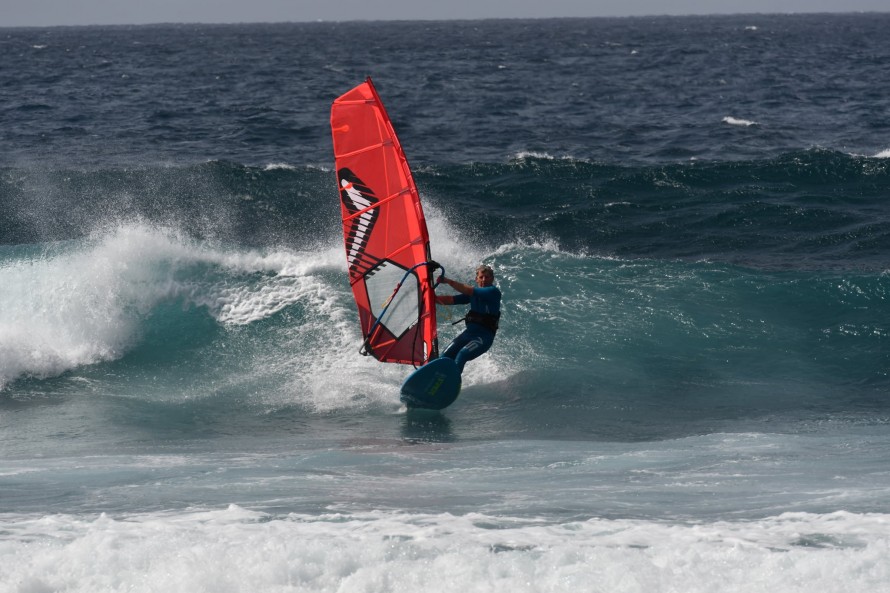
(384, 231)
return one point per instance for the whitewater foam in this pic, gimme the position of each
(733, 121)
(240, 550)
(290, 278)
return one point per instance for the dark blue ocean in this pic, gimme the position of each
(689, 219)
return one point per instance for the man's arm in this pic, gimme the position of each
(464, 289)
(459, 286)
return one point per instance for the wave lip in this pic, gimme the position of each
(77, 304)
(82, 302)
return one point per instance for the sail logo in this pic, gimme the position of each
(360, 202)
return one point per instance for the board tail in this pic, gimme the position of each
(432, 387)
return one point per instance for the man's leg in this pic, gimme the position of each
(475, 347)
(455, 346)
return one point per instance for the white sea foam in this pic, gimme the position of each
(292, 278)
(545, 156)
(884, 154)
(531, 154)
(733, 121)
(240, 550)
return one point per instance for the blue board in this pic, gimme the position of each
(433, 386)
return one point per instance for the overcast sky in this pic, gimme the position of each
(16, 13)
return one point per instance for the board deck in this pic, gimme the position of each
(433, 386)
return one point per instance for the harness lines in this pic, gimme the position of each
(487, 320)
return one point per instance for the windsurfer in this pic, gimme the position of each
(482, 319)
